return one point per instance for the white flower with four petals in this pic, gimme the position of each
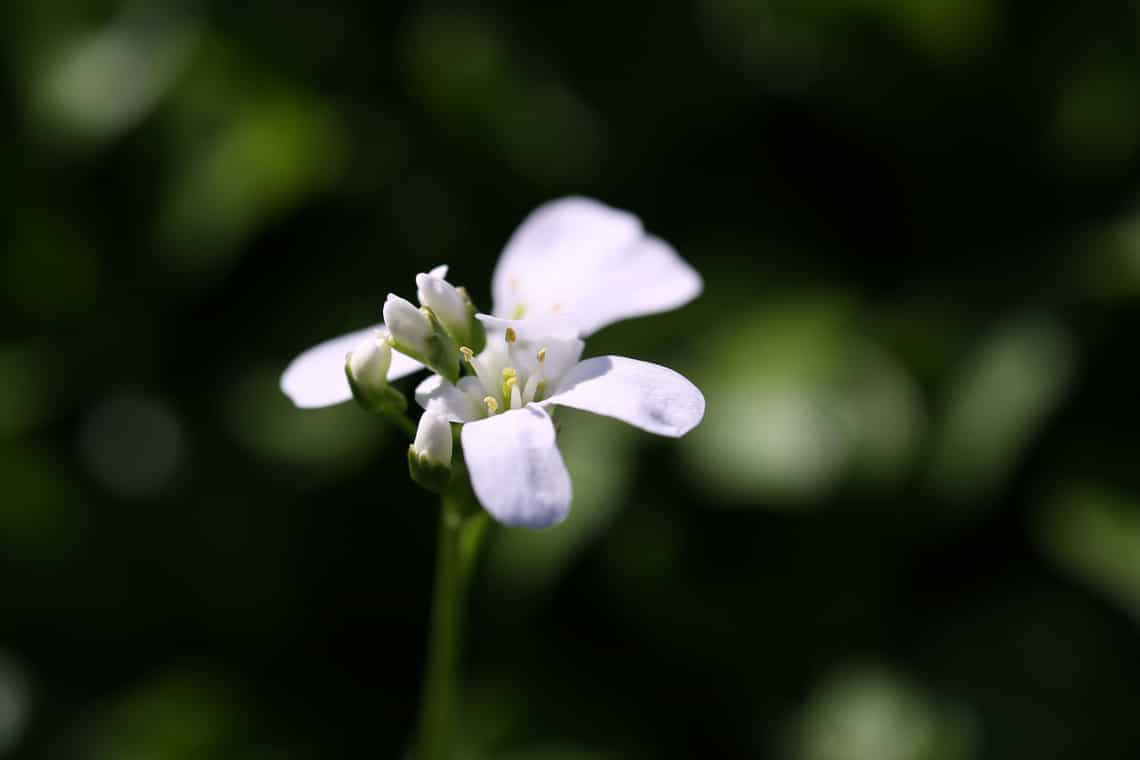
(572, 267)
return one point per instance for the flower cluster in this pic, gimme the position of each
(572, 267)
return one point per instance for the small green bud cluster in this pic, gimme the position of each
(433, 333)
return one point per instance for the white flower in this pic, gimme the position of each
(574, 258)
(508, 437)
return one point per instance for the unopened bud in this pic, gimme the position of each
(453, 308)
(410, 328)
(429, 456)
(419, 334)
(370, 360)
(367, 370)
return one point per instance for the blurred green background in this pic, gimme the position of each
(908, 528)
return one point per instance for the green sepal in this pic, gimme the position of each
(430, 474)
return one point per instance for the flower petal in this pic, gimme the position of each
(461, 402)
(537, 327)
(516, 469)
(645, 395)
(595, 264)
(316, 377)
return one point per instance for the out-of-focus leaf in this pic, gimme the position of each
(870, 713)
(44, 521)
(265, 423)
(797, 402)
(267, 155)
(477, 83)
(1107, 265)
(1000, 400)
(1096, 117)
(177, 715)
(27, 398)
(101, 85)
(1092, 531)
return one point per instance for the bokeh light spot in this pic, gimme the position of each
(132, 443)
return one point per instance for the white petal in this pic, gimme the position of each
(537, 327)
(650, 278)
(595, 264)
(645, 395)
(439, 271)
(516, 469)
(457, 403)
(316, 377)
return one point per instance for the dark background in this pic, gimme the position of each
(908, 528)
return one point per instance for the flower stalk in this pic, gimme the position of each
(462, 526)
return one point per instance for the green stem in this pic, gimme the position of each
(461, 531)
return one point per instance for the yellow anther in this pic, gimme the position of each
(491, 404)
(509, 372)
(512, 336)
(468, 354)
(542, 354)
(519, 312)
(509, 383)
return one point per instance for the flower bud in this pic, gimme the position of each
(433, 438)
(367, 370)
(440, 296)
(429, 457)
(370, 360)
(409, 327)
(419, 334)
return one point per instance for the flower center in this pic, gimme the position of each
(511, 372)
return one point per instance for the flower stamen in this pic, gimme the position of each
(511, 336)
(491, 404)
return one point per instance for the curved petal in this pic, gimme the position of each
(537, 327)
(590, 262)
(316, 377)
(645, 395)
(461, 402)
(516, 469)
